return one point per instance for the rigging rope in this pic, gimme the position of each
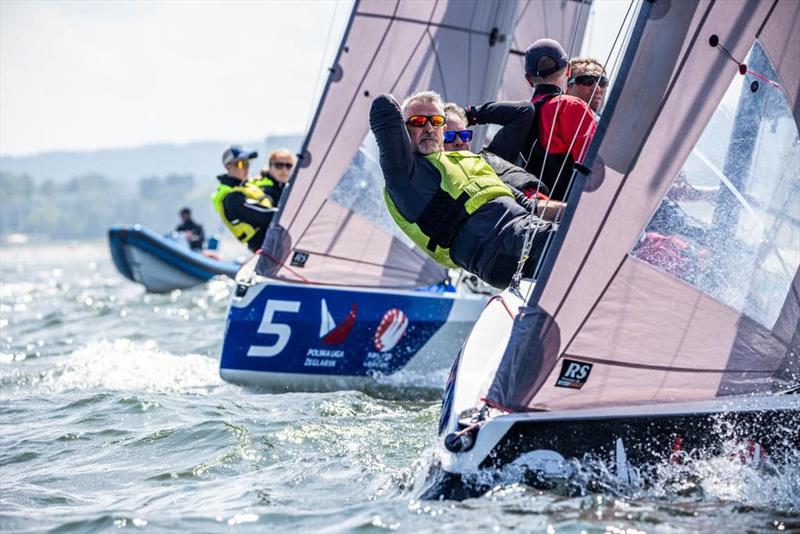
(532, 230)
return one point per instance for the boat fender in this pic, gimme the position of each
(462, 441)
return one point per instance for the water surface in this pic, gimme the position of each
(113, 416)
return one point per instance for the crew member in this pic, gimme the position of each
(451, 204)
(517, 120)
(243, 206)
(192, 231)
(563, 126)
(276, 174)
(456, 135)
(587, 81)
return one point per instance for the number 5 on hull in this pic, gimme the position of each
(283, 331)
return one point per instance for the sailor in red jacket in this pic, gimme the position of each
(564, 125)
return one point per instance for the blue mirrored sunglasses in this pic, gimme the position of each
(450, 135)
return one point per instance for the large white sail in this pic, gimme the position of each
(608, 325)
(457, 48)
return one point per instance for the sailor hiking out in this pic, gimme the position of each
(452, 205)
(245, 208)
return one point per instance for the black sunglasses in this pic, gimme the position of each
(588, 79)
(282, 165)
(450, 135)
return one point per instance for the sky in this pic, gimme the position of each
(88, 75)
(93, 75)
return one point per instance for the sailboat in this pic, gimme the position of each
(162, 263)
(635, 353)
(338, 297)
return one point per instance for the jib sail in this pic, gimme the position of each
(674, 276)
(332, 227)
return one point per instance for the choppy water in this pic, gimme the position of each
(112, 416)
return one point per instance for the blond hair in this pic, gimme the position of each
(428, 97)
(586, 65)
(455, 109)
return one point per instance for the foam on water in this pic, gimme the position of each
(112, 416)
(120, 365)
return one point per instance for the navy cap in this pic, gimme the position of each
(545, 57)
(236, 153)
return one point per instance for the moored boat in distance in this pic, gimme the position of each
(664, 325)
(162, 264)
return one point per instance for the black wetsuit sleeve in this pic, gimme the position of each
(522, 200)
(396, 156)
(516, 119)
(238, 209)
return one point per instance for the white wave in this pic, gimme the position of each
(124, 365)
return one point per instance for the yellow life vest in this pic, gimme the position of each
(243, 231)
(467, 183)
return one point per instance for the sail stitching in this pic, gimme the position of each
(428, 23)
(338, 131)
(335, 136)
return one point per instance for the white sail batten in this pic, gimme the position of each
(631, 331)
(457, 48)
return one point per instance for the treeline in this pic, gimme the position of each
(86, 206)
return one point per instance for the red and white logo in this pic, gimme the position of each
(329, 332)
(390, 330)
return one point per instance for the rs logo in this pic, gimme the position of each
(577, 371)
(267, 326)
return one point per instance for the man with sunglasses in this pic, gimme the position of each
(452, 205)
(456, 135)
(513, 115)
(587, 81)
(275, 176)
(242, 204)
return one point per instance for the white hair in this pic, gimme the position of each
(429, 97)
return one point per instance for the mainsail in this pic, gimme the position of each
(329, 229)
(634, 328)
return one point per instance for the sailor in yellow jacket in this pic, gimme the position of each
(453, 205)
(242, 204)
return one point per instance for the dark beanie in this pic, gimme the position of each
(544, 57)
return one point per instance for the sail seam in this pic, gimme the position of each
(339, 128)
(342, 258)
(662, 367)
(424, 23)
(352, 100)
(620, 187)
(766, 19)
